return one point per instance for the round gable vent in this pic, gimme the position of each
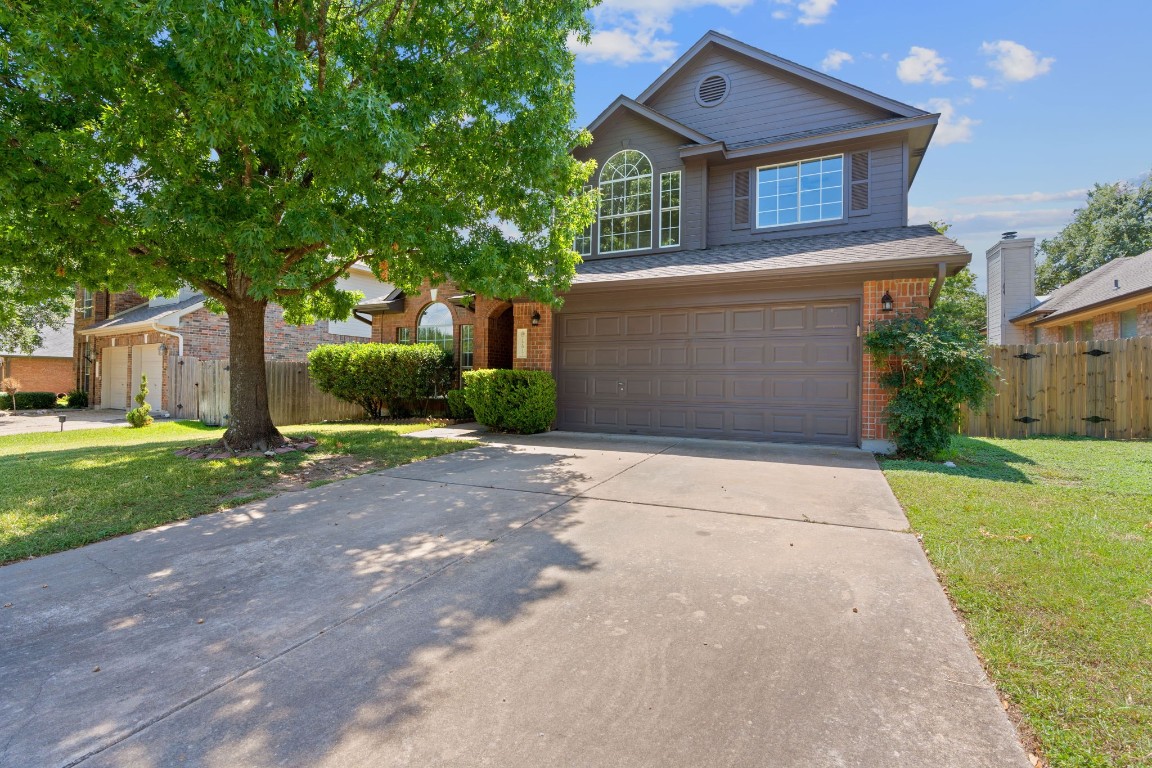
(712, 90)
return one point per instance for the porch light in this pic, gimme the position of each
(535, 318)
(886, 302)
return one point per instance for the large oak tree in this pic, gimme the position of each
(256, 149)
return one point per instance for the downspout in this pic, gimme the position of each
(179, 338)
(941, 276)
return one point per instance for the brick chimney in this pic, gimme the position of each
(1011, 286)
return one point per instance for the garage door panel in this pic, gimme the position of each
(771, 372)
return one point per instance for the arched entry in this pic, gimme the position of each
(501, 337)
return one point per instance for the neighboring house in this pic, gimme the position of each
(48, 368)
(753, 220)
(1113, 301)
(121, 336)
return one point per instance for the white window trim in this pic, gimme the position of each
(679, 208)
(845, 180)
(652, 208)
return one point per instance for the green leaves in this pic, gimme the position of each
(1116, 221)
(931, 366)
(257, 149)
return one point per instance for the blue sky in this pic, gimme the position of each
(1039, 99)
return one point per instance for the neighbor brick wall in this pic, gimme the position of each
(206, 336)
(39, 374)
(909, 295)
(1105, 326)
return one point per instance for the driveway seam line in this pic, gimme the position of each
(315, 635)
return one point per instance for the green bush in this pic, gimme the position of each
(140, 415)
(458, 407)
(931, 366)
(401, 378)
(512, 401)
(29, 400)
(77, 398)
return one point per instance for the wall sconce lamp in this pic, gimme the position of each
(535, 319)
(886, 302)
(163, 348)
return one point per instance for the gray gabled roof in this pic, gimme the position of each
(623, 102)
(878, 247)
(818, 132)
(57, 342)
(715, 38)
(1118, 280)
(146, 313)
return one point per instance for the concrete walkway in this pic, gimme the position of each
(25, 422)
(560, 600)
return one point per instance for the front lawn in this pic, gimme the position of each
(1045, 546)
(63, 490)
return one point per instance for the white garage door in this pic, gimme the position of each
(114, 378)
(146, 361)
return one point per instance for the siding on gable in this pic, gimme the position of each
(887, 194)
(627, 130)
(762, 102)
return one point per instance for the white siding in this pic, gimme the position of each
(367, 284)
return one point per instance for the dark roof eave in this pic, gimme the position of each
(880, 269)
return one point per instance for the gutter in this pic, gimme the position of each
(179, 338)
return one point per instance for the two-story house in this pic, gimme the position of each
(753, 220)
(122, 336)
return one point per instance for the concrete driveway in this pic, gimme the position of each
(560, 600)
(25, 422)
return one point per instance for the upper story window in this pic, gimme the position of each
(669, 209)
(87, 302)
(626, 203)
(801, 192)
(583, 244)
(435, 327)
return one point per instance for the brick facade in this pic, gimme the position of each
(494, 322)
(1104, 326)
(909, 295)
(39, 374)
(205, 337)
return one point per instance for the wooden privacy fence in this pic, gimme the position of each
(1094, 388)
(198, 389)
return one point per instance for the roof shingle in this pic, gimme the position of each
(1116, 280)
(875, 246)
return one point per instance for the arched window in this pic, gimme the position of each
(626, 202)
(435, 327)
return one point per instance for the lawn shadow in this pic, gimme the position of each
(974, 458)
(272, 634)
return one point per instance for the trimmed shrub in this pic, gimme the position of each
(139, 416)
(458, 407)
(401, 378)
(512, 401)
(77, 398)
(29, 401)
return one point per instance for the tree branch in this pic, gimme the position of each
(333, 277)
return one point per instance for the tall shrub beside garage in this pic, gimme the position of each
(399, 378)
(512, 401)
(931, 366)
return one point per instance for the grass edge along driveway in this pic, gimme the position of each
(1045, 547)
(64, 490)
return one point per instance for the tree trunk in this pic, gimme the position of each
(250, 423)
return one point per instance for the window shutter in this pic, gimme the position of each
(859, 202)
(741, 199)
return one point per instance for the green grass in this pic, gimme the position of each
(63, 490)
(1045, 545)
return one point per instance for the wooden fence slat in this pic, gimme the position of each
(1064, 388)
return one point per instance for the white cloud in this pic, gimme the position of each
(978, 82)
(952, 128)
(814, 11)
(836, 59)
(780, 15)
(1014, 62)
(922, 65)
(1025, 197)
(633, 31)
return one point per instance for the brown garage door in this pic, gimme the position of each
(787, 372)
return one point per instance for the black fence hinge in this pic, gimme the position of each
(1096, 352)
(1027, 356)
(1026, 420)
(1096, 419)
